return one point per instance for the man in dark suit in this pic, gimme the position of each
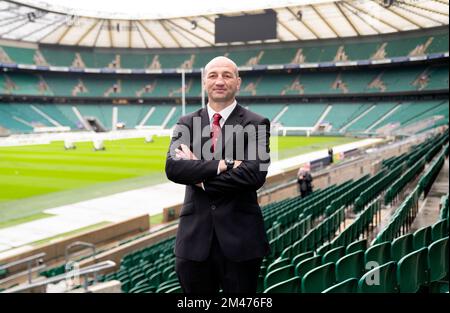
(221, 154)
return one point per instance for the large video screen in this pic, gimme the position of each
(246, 27)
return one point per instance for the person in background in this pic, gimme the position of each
(304, 180)
(330, 155)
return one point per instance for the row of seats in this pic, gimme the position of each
(376, 48)
(351, 233)
(374, 80)
(22, 118)
(407, 211)
(317, 205)
(146, 270)
(415, 164)
(324, 231)
(427, 180)
(411, 262)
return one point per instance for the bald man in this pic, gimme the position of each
(221, 154)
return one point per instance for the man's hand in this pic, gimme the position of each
(185, 153)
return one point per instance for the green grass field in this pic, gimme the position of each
(34, 178)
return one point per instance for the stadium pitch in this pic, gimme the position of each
(37, 177)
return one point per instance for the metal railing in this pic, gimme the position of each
(39, 258)
(76, 244)
(83, 272)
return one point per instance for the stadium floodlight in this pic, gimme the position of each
(149, 138)
(98, 144)
(69, 145)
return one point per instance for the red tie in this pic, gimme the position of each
(215, 130)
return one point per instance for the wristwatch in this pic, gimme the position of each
(229, 163)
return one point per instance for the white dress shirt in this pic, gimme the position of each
(225, 113)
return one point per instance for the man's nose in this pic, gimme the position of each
(219, 81)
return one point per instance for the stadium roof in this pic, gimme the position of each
(177, 26)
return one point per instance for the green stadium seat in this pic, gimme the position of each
(136, 278)
(438, 259)
(380, 253)
(169, 282)
(167, 271)
(291, 285)
(3, 273)
(122, 276)
(302, 256)
(422, 237)
(142, 289)
(172, 275)
(381, 279)
(278, 263)
(175, 289)
(167, 287)
(439, 230)
(306, 265)
(324, 249)
(333, 255)
(412, 271)
(155, 278)
(126, 285)
(401, 246)
(347, 286)
(319, 279)
(278, 275)
(356, 246)
(286, 253)
(142, 282)
(350, 266)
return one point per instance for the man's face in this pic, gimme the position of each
(221, 81)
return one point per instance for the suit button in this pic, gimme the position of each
(213, 207)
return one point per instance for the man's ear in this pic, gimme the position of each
(239, 83)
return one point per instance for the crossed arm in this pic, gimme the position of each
(183, 167)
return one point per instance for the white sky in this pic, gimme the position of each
(154, 9)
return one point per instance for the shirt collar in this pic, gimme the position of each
(225, 113)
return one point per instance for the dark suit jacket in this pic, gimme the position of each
(228, 205)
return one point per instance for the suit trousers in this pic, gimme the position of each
(217, 272)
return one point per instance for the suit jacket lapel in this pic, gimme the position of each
(206, 127)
